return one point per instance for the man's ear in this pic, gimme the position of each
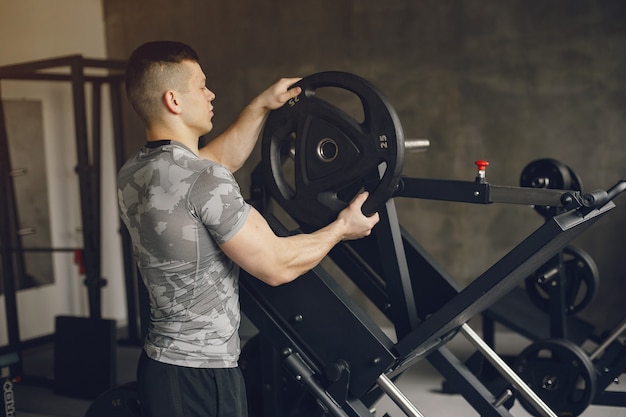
(171, 101)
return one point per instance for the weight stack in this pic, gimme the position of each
(84, 356)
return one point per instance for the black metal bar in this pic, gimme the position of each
(502, 277)
(610, 398)
(527, 195)
(9, 71)
(91, 246)
(96, 165)
(556, 294)
(444, 190)
(477, 192)
(395, 271)
(32, 66)
(40, 249)
(54, 77)
(355, 266)
(19, 262)
(7, 232)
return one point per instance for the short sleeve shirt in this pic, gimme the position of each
(178, 209)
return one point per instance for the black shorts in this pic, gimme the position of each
(176, 391)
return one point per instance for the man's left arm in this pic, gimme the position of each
(233, 147)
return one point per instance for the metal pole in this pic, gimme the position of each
(614, 335)
(84, 170)
(507, 372)
(397, 396)
(416, 145)
(8, 238)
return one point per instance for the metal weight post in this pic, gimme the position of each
(397, 396)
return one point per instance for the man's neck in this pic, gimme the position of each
(188, 140)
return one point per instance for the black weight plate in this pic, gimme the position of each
(560, 373)
(120, 401)
(547, 173)
(333, 155)
(582, 281)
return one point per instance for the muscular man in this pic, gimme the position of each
(192, 230)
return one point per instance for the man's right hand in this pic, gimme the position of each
(357, 224)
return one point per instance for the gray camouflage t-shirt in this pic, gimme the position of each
(178, 208)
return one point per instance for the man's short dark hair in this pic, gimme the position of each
(148, 68)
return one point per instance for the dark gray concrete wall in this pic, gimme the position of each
(508, 81)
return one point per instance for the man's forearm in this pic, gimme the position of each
(233, 147)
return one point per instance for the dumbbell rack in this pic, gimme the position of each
(334, 350)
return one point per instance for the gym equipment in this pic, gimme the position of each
(335, 155)
(318, 352)
(562, 287)
(555, 365)
(569, 379)
(7, 234)
(561, 373)
(569, 282)
(549, 173)
(74, 71)
(582, 280)
(88, 144)
(555, 293)
(329, 346)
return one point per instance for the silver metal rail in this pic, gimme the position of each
(397, 396)
(507, 372)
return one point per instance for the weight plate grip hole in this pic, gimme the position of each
(327, 150)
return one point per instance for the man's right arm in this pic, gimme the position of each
(277, 260)
(233, 147)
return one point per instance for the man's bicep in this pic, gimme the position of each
(253, 247)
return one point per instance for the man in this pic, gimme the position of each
(192, 231)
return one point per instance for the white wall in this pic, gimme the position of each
(32, 30)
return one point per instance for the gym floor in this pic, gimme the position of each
(421, 384)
